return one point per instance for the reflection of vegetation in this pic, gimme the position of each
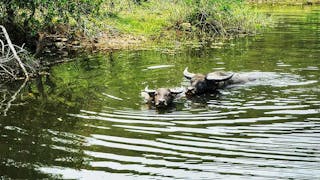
(36, 140)
(75, 84)
(40, 134)
(7, 102)
(32, 133)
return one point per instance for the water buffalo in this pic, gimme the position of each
(161, 97)
(200, 83)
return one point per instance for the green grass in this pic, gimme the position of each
(284, 2)
(141, 25)
(157, 17)
(147, 19)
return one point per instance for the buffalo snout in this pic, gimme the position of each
(161, 102)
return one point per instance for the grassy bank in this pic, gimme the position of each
(285, 2)
(118, 24)
(61, 28)
(165, 19)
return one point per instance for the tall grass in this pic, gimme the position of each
(285, 2)
(192, 18)
(224, 18)
(149, 18)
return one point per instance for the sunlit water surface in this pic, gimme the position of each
(88, 121)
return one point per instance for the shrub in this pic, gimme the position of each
(27, 17)
(220, 17)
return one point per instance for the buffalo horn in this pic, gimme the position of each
(187, 74)
(219, 76)
(176, 91)
(147, 90)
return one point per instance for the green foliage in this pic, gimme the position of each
(221, 17)
(32, 15)
(150, 18)
(147, 19)
(191, 17)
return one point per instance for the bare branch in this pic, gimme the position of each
(14, 51)
(7, 71)
(2, 47)
(15, 61)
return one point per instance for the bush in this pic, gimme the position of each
(220, 17)
(28, 17)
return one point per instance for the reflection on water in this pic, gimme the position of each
(87, 121)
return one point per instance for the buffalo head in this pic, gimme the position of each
(200, 83)
(162, 97)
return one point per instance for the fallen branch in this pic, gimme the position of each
(11, 46)
(15, 61)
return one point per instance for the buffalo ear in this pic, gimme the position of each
(150, 92)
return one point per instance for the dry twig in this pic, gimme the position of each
(14, 59)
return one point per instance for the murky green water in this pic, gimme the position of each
(88, 121)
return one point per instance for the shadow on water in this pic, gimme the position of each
(87, 121)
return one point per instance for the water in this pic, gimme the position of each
(87, 120)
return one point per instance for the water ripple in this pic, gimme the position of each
(264, 129)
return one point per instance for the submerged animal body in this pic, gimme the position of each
(206, 83)
(161, 97)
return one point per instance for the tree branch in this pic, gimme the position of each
(14, 51)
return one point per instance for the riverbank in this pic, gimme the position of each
(149, 24)
(285, 2)
(129, 25)
(166, 23)
(126, 25)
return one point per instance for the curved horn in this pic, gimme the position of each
(187, 74)
(146, 89)
(150, 92)
(219, 76)
(176, 91)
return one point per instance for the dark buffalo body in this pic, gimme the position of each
(207, 83)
